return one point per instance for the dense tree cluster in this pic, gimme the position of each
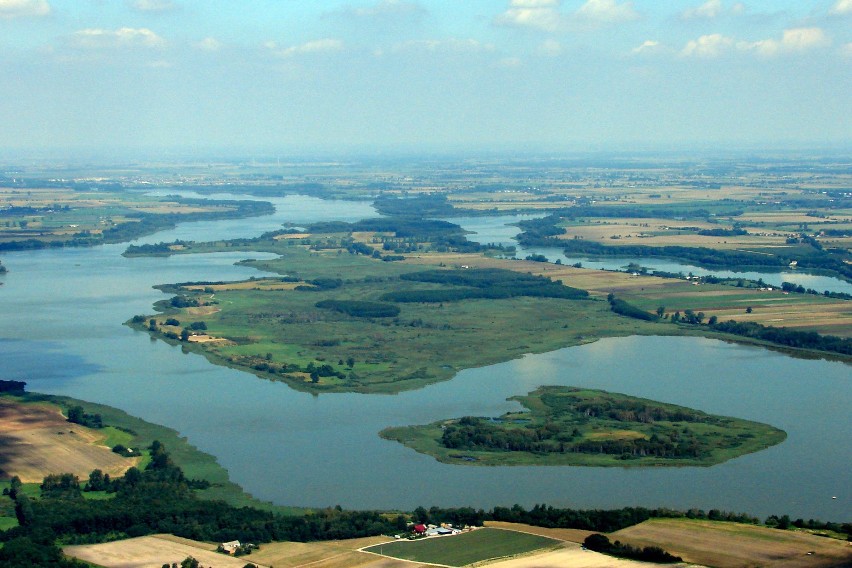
(623, 308)
(360, 308)
(600, 543)
(76, 415)
(787, 337)
(471, 433)
(12, 386)
(420, 206)
(491, 283)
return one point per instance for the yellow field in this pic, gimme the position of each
(153, 552)
(734, 545)
(37, 441)
(661, 232)
(569, 535)
(327, 554)
(248, 285)
(291, 236)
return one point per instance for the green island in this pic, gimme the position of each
(587, 427)
(392, 304)
(339, 319)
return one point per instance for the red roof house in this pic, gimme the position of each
(419, 529)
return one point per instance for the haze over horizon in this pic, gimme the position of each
(436, 75)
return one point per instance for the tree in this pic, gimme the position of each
(14, 486)
(96, 481)
(661, 310)
(748, 310)
(76, 414)
(712, 321)
(24, 510)
(184, 334)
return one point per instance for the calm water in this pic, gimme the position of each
(61, 314)
(499, 230)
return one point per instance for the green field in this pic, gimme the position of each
(466, 548)
(585, 427)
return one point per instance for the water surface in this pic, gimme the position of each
(62, 332)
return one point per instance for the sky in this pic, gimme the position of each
(400, 75)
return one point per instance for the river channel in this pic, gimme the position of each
(62, 332)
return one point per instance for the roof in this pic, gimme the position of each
(420, 528)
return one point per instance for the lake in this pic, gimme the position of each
(62, 332)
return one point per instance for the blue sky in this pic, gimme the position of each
(287, 75)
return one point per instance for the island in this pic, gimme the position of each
(588, 427)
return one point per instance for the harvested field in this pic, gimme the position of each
(289, 236)
(327, 554)
(153, 552)
(574, 556)
(734, 545)
(36, 440)
(248, 285)
(207, 339)
(569, 535)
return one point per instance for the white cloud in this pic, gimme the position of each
(799, 39)
(510, 62)
(325, 45)
(708, 46)
(546, 15)
(792, 40)
(846, 50)
(152, 5)
(23, 8)
(209, 44)
(648, 46)
(550, 48)
(707, 11)
(607, 11)
(841, 8)
(446, 45)
(712, 9)
(539, 14)
(97, 38)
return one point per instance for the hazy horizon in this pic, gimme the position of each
(280, 78)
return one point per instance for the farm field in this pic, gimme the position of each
(807, 312)
(734, 545)
(568, 535)
(572, 556)
(153, 552)
(37, 440)
(327, 554)
(467, 548)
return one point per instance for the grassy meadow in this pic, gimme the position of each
(268, 329)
